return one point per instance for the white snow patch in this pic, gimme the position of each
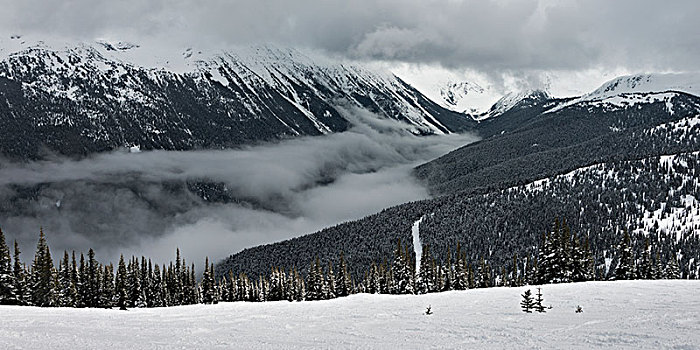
(620, 314)
(417, 246)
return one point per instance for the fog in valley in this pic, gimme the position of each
(214, 203)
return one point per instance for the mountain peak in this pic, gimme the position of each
(649, 83)
(512, 100)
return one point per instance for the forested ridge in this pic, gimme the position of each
(633, 169)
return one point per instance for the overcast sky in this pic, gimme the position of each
(478, 34)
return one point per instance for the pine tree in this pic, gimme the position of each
(672, 270)
(42, 274)
(343, 281)
(107, 289)
(484, 275)
(7, 277)
(625, 266)
(93, 281)
(332, 293)
(67, 293)
(22, 290)
(82, 285)
(527, 304)
(538, 301)
(120, 285)
(645, 266)
(207, 284)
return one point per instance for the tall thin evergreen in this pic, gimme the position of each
(7, 277)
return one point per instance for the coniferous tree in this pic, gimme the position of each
(158, 297)
(7, 277)
(343, 282)
(120, 285)
(538, 301)
(527, 304)
(672, 271)
(484, 275)
(331, 293)
(658, 267)
(68, 292)
(107, 289)
(82, 287)
(625, 267)
(208, 296)
(42, 275)
(646, 270)
(93, 281)
(546, 259)
(22, 290)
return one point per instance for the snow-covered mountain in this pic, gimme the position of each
(631, 90)
(522, 99)
(78, 98)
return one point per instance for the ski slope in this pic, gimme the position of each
(620, 315)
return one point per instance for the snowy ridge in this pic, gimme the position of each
(526, 98)
(57, 67)
(627, 91)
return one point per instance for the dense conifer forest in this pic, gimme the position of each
(561, 257)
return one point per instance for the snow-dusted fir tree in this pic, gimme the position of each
(538, 301)
(483, 279)
(527, 304)
(107, 287)
(42, 275)
(625, 269)
(331, 290)
(67, 293)
(343, 280)
(208, 294)
(425, 282)
(672, 270)
(646, 268)
(7, 278)
(22, 288)
(546, 259)
(93, 280)
(120, 285)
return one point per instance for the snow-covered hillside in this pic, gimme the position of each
(621, 315)
(523, 99)
(630, 90)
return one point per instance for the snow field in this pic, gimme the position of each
(620, 315)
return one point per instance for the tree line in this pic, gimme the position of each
(561, 257)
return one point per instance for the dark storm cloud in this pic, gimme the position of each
(480, 34)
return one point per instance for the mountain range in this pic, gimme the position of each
(76, 99)
(620, 158)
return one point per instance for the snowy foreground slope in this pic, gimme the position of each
(624, 314)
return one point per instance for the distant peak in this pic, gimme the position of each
(516, 99)
(647, 83)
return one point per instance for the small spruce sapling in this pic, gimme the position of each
(527, 303)
(538, 301)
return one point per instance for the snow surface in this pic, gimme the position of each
(641, 88)
(417, 245)
(621, 315)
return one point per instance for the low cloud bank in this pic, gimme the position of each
(140, 203)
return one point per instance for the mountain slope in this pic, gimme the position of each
(544, 142)
(77, 99)
(626, 162)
